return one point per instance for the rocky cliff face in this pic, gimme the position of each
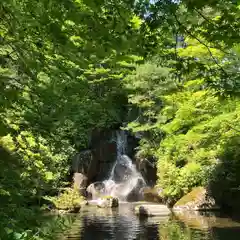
(95, 164)
(148, 170)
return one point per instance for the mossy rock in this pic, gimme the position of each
(197, 199)
(70, 200)
(196, 193)
(152, 195)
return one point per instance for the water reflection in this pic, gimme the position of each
(104, 224)
(122, 224)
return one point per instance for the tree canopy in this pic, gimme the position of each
(169, 69)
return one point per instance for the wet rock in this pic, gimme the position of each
(84, 203)
(152, 195)
(95, 190)
(136, 193)
(104, 152)
(81, 162)
(98, 160)
(120, 171)
(75, 209)
(148, 169)
(80, 182)
(198, 199)
(108, 202)
(152, 210)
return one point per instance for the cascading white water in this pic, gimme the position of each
(121, 142)
(124, 177)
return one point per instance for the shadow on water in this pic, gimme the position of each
(106, 224)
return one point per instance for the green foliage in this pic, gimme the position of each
(61, 70)
(195, 141)
(68, 68)
(69, 199)
(48, 227)
(188, 121)
(187, 133)
(174, 230)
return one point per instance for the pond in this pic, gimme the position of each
(121, 224)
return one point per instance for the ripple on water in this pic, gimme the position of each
(121, 224)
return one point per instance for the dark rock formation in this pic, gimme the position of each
(136, 193)
(104, 153)
(132, 144)
(152, 195)
(81, 162)
(121, 171)
(97, 161)
(148, 170)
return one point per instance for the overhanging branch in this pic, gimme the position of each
(201, 42)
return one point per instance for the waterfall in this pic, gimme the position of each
(121, 142)
(124, 179)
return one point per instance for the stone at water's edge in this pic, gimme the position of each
(84, 203)
(198, 199)
(152, 195)
(95, 190)
(75, 209)
(152, 210)
(80, 182)
(108, 202)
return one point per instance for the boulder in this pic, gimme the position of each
(198, 199)
(152, 210)
(152, 194)
(120, 171)
(148, 169)
(108, 202)
(80, 182)
(95, 190)
(137, 192)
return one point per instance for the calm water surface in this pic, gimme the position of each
(121, 224)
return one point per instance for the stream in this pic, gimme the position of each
(121, 224)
